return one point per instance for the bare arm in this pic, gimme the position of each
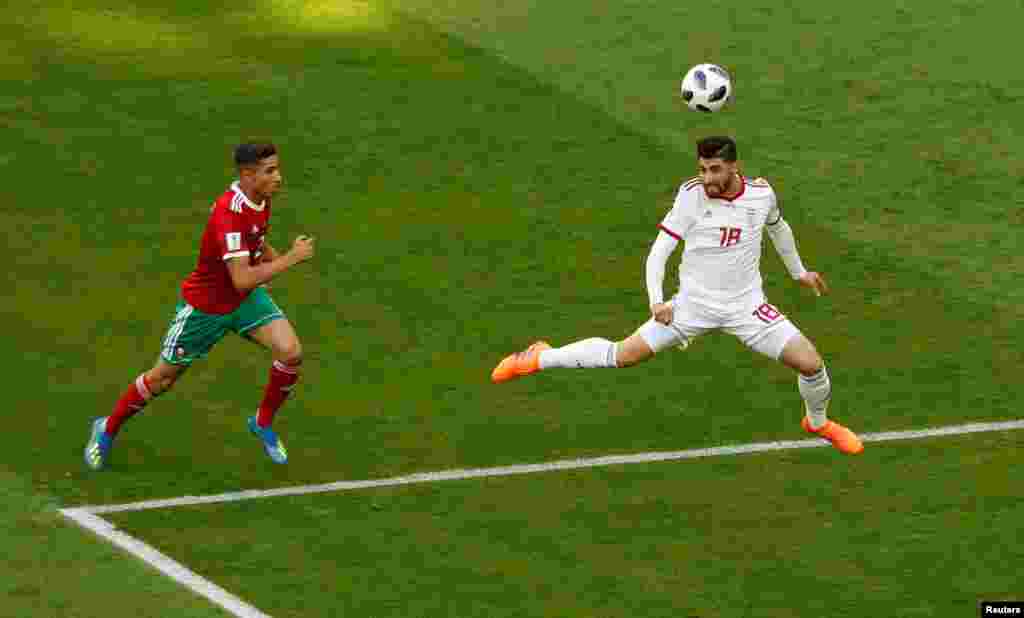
(269, 253)
(247, 277)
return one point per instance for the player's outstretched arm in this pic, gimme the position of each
(247, 277)
(785, 245)
(662, 248)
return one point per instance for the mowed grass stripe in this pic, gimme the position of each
(881, 138)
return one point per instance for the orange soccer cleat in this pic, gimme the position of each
(520, 364)
(840, 437)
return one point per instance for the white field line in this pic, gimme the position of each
(164, 564)
(89, 516)
(565, 464)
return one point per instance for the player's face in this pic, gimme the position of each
(716, 174)
(265, 176)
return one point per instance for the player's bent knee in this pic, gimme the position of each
(161, 383)
(625, 359)
(162, 377)
(813, 365)
(291, 355)
(800, 354)
(811, 360)
(631, 351)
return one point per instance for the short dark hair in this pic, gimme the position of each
(717, 147)
(251, 153)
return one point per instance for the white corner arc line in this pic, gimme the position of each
(89, 516)
(166, 565)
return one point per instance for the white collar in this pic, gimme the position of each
(245, 199)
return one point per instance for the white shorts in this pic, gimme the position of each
(755, 322)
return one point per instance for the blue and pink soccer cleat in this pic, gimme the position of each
(97, 450)
(271, 443)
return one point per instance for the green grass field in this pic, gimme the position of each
(479, 177)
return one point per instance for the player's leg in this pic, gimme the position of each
(264, 323)
(279, 337)
(146, 387)
(591, 353)
(190, 336)
(595, 352)
(816, 389)
(799, 354)
(766, 330)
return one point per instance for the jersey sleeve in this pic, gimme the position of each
(229, 234)
(774, 210)
(681, 218)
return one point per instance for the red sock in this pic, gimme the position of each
(131, 402)
(282, 378)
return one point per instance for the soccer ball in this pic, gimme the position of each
(706, 88)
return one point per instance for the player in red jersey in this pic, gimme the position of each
(225, 293)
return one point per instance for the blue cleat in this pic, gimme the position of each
(271, 443)
(97, 450)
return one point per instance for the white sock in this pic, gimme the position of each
(589, 353)
(816, 390)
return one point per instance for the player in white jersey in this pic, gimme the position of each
(721, 217)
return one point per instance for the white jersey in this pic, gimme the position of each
(722, 255)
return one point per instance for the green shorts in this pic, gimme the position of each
(193, 333)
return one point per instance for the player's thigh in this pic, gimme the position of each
(256, 311)
(190, 336)
(763, 328)
(280, 338)
(632, 350)
(689, 321)
(261, 320)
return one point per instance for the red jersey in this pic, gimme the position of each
(236, 228)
